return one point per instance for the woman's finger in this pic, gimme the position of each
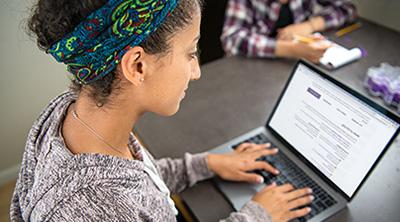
(242, 147)
(264, 152)
(285, 188)
(316, 37)
(261, 165)
(300, 202)
(250, 177)
(257, 147)
(298, 193)
(297, 213)
(268, 187)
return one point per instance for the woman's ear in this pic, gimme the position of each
(134, 64)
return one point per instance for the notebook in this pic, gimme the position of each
(337, 56)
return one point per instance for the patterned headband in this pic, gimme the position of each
(95, 47)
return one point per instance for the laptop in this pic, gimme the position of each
(330, 138)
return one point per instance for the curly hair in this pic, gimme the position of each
(52, 20)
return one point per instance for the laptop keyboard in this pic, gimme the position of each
(294, 175)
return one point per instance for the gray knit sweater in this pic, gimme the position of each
(56, 185)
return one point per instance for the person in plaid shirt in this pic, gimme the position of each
(266, 28)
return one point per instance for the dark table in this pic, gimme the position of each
(236, 95)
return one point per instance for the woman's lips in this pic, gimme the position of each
(184, 93)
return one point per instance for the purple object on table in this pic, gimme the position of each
(364, 52)
(384, 81)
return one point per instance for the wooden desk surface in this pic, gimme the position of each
(236, 95)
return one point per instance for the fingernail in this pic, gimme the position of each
(308, 209)
(309, 190)
(267, 144)
(277, 171)
(312, 198)
(260, 180)
(276, 150)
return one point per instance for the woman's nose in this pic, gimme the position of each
(196, 72)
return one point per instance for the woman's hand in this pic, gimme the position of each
(237, 165)
(314, 24)
(288, 32)
(310, 51)
(281, 201)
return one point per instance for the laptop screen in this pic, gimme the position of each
(338, 133)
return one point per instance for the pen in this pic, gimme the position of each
(304, 39)
(347, 29)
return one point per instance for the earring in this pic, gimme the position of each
(141, 79)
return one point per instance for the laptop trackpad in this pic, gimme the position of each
(238, 193)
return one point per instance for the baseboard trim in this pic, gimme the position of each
(9, 174)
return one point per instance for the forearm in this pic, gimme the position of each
(179, 174)
(251, 212)
(249, 43)
(317, 23)
(284, 49)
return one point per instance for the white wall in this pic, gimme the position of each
(385, 12)
(28, 80)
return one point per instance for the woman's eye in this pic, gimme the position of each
(195, 55)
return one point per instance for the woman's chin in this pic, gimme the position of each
(169, 112)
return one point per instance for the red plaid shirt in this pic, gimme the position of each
(249, 23)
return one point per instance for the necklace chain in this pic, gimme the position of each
(98, 136)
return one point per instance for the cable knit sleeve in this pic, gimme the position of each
(251, 212)
(179, 174)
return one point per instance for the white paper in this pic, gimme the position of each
(337, 56)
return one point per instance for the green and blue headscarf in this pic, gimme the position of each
(96, 46)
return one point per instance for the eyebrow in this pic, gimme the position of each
(196, 39)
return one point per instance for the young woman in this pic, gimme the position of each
(81, 161)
